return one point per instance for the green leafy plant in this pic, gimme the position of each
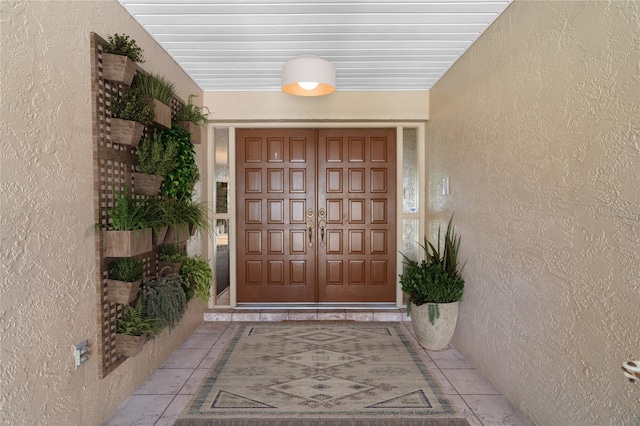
(156, 154)
(155, 86)
(164, 299)
(122, 45)
(127, 269)
(134, 106)
(197, 276)
(192, 113)
(179, 181)
(171, 253)
(135, 323)
(128, 213)
(437, 278)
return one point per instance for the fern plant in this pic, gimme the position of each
(156, 154)
(122, 45)
(192, 113)
(155, 86)
(436, 279)
(135, 323)
(164, 299)
(128, 213)
(197, 276)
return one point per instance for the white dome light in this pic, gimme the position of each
(308, 75)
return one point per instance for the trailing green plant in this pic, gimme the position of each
(155, 86)
(180, 179)
(156, 154)
(197, 276)
(164, 299)
(122, 45)
(171, 253)
(436, 279)
(127, 269)
(192, 113)
(128, 212)
(133, 105)
(135, 323)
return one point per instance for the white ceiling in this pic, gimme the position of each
(375, 45)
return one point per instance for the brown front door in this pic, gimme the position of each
(316, 215)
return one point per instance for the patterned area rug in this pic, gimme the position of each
(320, 374)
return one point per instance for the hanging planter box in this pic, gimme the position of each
(127, 345)
(126, 132)
(196, 132)
(177, 234)
(126, 243)
(145, 184)
(118, 68)
(171, 267)
(159, 235)
(163, 114)
(122, 292)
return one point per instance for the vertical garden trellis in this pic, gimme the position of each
(113, 165)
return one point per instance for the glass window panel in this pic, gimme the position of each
(222, 260)
(410, 239)
(221, 170)
(410, 179)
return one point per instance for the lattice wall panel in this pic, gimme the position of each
(113, 167)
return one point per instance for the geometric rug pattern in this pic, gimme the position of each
(315, 373)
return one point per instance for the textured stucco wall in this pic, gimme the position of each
(48, 293)
(362, 106)
(538, 128)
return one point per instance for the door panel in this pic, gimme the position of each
(274, 194)
(316, 215)
(356, 188)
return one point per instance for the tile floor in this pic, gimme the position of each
(159, 401)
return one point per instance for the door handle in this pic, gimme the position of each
(310, 231)
(322, 225)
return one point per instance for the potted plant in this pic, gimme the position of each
(129, 114)
(157, 219)
(164, 299)
(125, 277)
(198, 277)
(170, 258)
(434, 286)
(186, 216)
(129, 233)
(119, 57)
(156, 87)
(156, 155)
(191, 117)
(133, 330)
(179, 181)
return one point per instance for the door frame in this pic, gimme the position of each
(231, 214)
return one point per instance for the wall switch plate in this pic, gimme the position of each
(81, 354)
(445, 185)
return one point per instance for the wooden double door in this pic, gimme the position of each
(316, 215)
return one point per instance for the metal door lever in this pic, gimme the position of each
(310, 229)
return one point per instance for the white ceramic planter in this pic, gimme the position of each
(434, 336)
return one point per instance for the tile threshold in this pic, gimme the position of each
(306, 313)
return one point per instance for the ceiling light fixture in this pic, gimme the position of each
(308, 75)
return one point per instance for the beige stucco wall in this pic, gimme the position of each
(48, 292)
(339, 106)
(538, 128)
